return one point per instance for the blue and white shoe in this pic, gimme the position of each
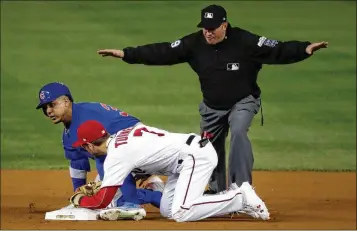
(128, 205)
(128, 211)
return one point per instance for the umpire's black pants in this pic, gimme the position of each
(238, 119)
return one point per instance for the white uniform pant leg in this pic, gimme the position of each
(168, 196)
(209, 206)
(189, 204)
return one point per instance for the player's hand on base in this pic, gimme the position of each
(310, 49)
(111, 52)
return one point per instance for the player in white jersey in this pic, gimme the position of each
(184, 158)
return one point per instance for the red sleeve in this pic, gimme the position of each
(100, 200)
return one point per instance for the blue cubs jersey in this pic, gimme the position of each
(112, 118)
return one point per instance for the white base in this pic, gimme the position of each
(70, 213)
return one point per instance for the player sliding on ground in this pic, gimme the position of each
(186, 159)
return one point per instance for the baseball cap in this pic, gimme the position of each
(212, 16)
(51, 92)
(88, 132)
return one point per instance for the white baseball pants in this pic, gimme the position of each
(183, 198)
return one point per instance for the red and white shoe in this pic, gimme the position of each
(252, 204)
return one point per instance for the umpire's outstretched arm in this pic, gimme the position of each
(164, 53)
(267, 51)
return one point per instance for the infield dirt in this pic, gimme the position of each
(296, 200)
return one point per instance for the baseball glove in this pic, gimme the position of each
(75, 198)
(90, 188)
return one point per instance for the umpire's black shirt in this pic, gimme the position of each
(228, 70)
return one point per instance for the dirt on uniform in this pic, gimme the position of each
(296, 200)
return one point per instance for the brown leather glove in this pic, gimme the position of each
(76, 198)
(90, 188)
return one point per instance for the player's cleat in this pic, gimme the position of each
(212, 192)
(250, 213)
(122, 213)
(155, 183)
(252, 204)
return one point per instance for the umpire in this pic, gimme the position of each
(227, 61)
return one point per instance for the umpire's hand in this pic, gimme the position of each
(111, 52)
(310, 49)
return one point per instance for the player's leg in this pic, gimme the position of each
(168, 196)
(241, 158)
(215, 122)
(189, 203)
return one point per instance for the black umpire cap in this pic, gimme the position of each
(212, 17)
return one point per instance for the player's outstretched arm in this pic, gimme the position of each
(269, 51)
(163, 53)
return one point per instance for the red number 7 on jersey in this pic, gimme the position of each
(139, 132)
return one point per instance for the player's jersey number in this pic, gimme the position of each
(123, 136)
(139, 132)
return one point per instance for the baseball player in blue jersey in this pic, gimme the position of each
(57, 104)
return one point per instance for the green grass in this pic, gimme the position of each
(309, 107)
